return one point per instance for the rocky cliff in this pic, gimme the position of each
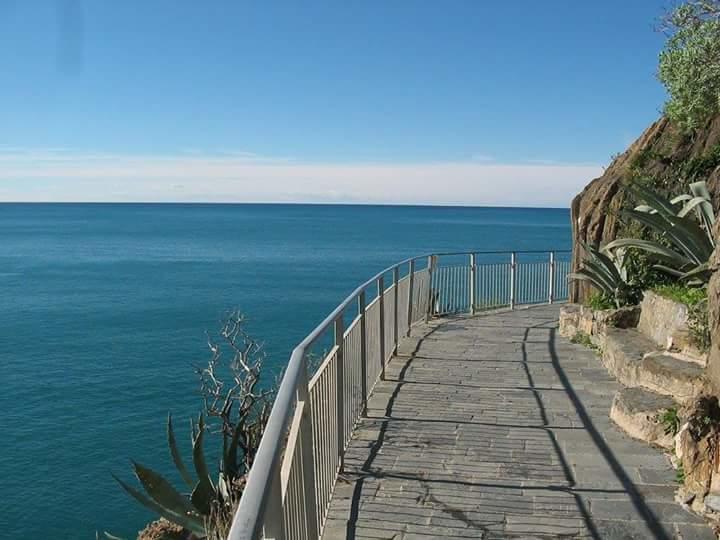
(713, 368)
(661, 155)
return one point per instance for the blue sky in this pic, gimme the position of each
(514, 103)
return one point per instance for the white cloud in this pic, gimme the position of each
(482, 157)
(228, 176)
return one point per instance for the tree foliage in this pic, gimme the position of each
(690, 62)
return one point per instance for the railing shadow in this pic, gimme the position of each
(369, 469)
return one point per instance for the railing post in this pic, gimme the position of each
(473, 276)
(307, 455)
(396, 282)
(513, 267)
(274, 524)
(381, 307)
(551, 283)
(430, 268)
(340, 383)
(363, 352)
(411, 283)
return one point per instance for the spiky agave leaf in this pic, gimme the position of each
(681, 198)
(223, 486)
(662, 256)
(199, 462)
(583, 275)
(190, 522)
(202, 497)
(692, 233)
(705, 211)
(645, 208)
(230, 455)
(654, 248)
(669, 270)
(598, 265)
(599, 274)
(652, 199)
(108, 536)
(692, 244)
(604, 268)
(700, 273)
(161, 491)
(176, 457)
(691, 239)
(609, 265)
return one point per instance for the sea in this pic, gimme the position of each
(104, 310)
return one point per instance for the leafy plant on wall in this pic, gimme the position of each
(684, 226)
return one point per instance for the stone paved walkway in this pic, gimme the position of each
(498, 428)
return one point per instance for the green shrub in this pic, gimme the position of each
(599, 300)
(670, 421)
(680, 474)
(682, 293)
(689, 64)
(641, 272)
(581, 338)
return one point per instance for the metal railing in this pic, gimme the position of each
(289, 487)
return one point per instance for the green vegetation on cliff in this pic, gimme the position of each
(690, 63)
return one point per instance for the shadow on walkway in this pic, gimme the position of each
(481, 432)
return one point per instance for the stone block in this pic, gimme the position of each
(637, 412)
(661, 318)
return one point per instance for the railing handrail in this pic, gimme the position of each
(247, 521)
(501, 252)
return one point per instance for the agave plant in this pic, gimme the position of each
(685, 223)
(238, 410)
(605, 269)
(187, 510)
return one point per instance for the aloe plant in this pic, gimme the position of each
(160, 496)
(685, 223)
(605, 269)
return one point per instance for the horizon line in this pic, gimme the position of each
(284, 203)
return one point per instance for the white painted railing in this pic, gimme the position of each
(288, 490)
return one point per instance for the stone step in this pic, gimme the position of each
(682, 346)
(638, 411)
(636, 361)
(622, 352)
(666, 374)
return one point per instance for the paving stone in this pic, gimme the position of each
(494, 427)
(695, 532)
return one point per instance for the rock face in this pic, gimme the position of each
(662, 318)
(575, 318)
(713, 367)
(661, 153)
(696, 449)
(162, 529)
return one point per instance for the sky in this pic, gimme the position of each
(475, 102)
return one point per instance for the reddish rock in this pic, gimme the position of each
(660, 147)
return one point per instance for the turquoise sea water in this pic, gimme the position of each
(104, 309)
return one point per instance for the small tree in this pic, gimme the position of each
(690, 62)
